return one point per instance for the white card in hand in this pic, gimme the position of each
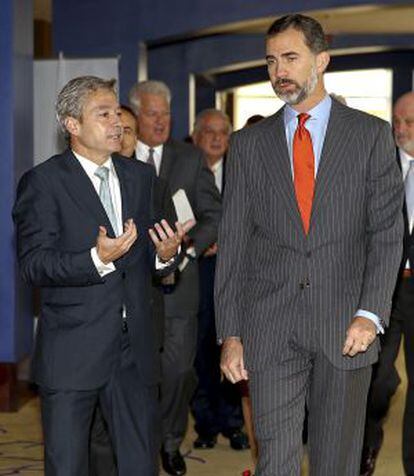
(182, 206)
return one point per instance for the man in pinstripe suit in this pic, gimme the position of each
(309, 249)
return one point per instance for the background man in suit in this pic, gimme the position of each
(216, 404)
(184, 168)
(385, 378)
(129, 132)
(82, 222)
(309, 248)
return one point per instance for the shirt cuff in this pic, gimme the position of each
(372, 317)
(102, 268)
(221, 340)
(164, 264)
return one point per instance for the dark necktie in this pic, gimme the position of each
(304, 170)
(150, 159)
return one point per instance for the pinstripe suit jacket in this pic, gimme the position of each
(268, 270)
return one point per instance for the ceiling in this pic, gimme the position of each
(353, 20)
(370, 19)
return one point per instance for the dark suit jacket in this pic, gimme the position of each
(57, 215)
(408, 249)
(183, 167)
(270, 276)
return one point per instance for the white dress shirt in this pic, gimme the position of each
(405, 160)
(217, 170)
(90, 168)
(142, 152)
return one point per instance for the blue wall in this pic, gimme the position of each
(170, 28)
(16, 146)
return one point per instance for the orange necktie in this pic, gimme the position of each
(304, 169)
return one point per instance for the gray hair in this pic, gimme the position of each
(147, 87)
(72, 97)
(201, 116)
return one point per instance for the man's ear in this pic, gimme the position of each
(72, 126)
(322, 61)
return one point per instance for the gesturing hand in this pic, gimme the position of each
(232, 364)
(359, 336)
(110, 249)
(167, 241)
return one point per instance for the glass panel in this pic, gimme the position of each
(369, 90)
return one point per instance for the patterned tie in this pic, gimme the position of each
(304, 170)
(150, 159)
(409, 191)
(105, 196)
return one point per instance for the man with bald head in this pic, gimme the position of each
(385, 377)
(216, 404)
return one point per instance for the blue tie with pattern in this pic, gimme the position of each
(105, 196)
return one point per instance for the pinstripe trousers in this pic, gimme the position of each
(336, 400)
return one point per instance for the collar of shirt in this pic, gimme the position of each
(316, 125)
(217, 170)
(142, 151)
(405, 160)
(90, 168)
(217, 166)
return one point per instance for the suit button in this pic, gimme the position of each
(307, 284)
(301, 286)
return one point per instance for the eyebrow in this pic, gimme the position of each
(288, 53)
(104, 107)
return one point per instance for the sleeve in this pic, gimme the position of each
(36, 217)
(234, 235)
(207, 208)
(384, 226)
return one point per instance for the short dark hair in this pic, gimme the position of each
(312, 30)
(127, 109)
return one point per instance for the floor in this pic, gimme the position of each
(21, 445)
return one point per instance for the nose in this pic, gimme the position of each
(116, 120)
(280, 71)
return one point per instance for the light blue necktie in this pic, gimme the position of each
(105, 196)
(409, 190)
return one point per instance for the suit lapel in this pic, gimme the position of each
(275, 158)
(167, 160)
(127, 186)
(407, 233)
(334, 154)
(82, 190)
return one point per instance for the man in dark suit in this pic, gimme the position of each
(216, 404)
(101, 458)
(385, 379)
(309, 249)
(184, 168)
(82, 220)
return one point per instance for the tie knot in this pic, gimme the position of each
(302, 118)
(102, 172)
